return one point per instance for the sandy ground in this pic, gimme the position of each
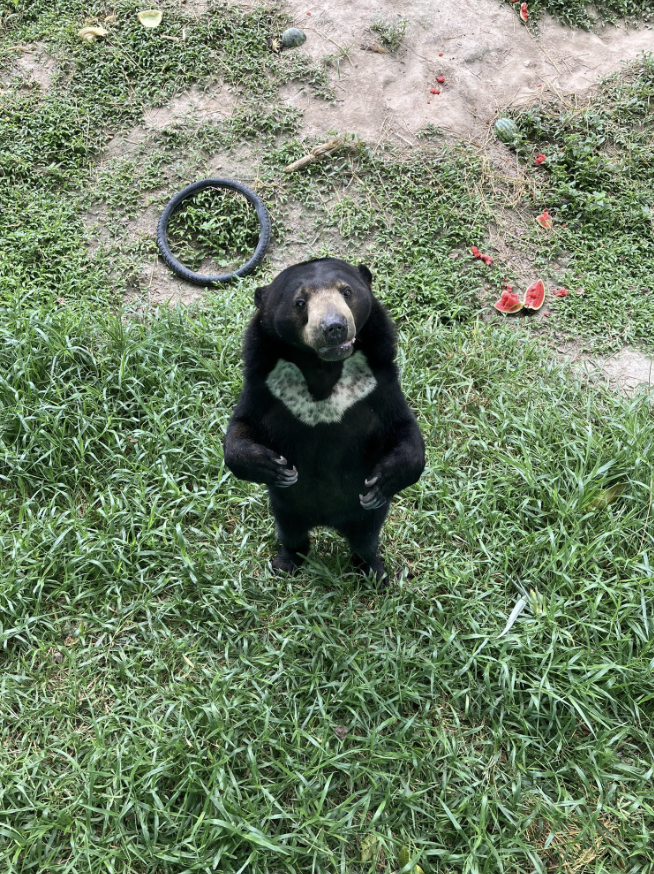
(490, 60)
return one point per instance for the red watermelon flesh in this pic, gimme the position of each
(508, 303)
(535, 296)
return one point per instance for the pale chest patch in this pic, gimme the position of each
(287, 383)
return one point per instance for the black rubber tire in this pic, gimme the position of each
(174, 204)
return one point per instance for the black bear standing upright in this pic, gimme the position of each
(322, 420)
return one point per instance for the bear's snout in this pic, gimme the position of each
(334, 329)
(330, 328)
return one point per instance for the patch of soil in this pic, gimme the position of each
(194, 105)
(627, 370)
(194, 7)
(488, 57)
(191, 107)
(36, 65)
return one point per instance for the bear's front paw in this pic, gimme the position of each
(284, 476)
(375, 498)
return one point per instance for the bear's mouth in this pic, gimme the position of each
(337, 353)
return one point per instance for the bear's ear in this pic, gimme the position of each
(258, 295)
(367, 275)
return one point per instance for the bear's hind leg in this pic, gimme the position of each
(293, 536)
(363, 538)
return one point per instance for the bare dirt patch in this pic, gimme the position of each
(191, 107)
(488, 57)
(36, 65)
(194, 7)
(627, 370)
(194, 106)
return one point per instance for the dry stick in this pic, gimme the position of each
(316, 154)
(381, 136)
(404, 139)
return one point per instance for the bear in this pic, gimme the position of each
(322, 420)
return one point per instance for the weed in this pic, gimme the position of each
(391, 34)
(581, 13)
(216, 225)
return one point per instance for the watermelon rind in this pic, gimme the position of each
(506, 130)
(503, 305)
(534, 296)
(293, 37)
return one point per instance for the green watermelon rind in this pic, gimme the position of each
(507, 130)
(293, 37)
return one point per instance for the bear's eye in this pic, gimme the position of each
(300, 303)
(346, 291)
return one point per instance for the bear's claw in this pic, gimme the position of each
(373, 499)
(286, 478)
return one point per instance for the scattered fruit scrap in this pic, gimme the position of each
(150, 17)
(440, 79)
(544, 219)
(535, 296)
(540, 158)
(561, 292)
(506, 130)
(487, 259)
(293, 37)
(509, 303)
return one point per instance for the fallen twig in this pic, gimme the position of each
(316, 154)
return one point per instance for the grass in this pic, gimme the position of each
(390, 33)
(580, 13)
(596, 183)
(170, 706)
(216, 225)
(50, 142)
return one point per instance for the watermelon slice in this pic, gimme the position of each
(534, 296)
(544, 219)
(508, 303)
(524, 14)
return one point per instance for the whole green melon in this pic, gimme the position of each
(292, 38)
(506, 130)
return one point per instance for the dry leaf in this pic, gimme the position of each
(90, 34)
(608, 496)
(368, 848)
(150, 17)
(340, 731)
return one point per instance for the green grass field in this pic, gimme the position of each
(167, 704)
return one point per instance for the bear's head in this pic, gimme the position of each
(319, 305)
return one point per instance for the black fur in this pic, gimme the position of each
(341, 475)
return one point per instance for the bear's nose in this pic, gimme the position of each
(334, 329)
